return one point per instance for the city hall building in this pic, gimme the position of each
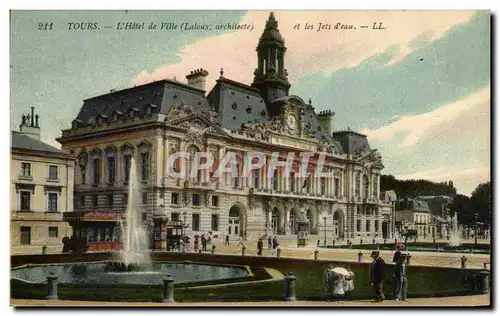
(151, 122)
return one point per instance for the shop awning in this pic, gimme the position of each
(93, 216)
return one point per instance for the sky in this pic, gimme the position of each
(419, 89)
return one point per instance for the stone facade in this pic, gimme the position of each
(41, 191)
(150, 123)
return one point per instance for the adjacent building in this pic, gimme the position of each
(41, 190)
(147, 124)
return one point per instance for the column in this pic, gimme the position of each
(156, 166)
(166, 156)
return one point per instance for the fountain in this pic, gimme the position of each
(455, 233)
(135, 237)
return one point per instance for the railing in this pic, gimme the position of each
(314, 196)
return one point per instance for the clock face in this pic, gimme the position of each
(291, 121)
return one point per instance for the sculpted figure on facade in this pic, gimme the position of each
(173, 146)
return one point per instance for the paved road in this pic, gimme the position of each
(473, 300)
(442, 259)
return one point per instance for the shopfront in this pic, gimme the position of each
(95, 230)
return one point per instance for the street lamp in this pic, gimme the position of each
(324, 242)
(476, 219)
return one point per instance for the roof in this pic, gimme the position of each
(237, 104)
(412, 204)
(21, 141)
(351, 141)
(160, 95)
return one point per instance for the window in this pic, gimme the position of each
(144, 198)
(144, 216)
(306, 184)
(196, 222)
(94, 200)
(275, 180)
(376, 225)
(292, 181)
(125, 199)
(174, 198)
(111, 169)
(25, 235)
(236, 182)
(53, 232)
(196, 200)
(110, 200)
(52, 207)
(145, 166)
(82, 200)
(96, 171)
(53, 173)
(336, 184)
(215, 200)
(25, 200)
(175, 217)
(215, 222)
(322, 183)
(26, 169)
(126, 166)
(255, 177)
(367, 225)
(358, 225)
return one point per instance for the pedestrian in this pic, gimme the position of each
(275, 245)
(260, 245)
(196, 243)
(226, 243)
(182, 245)
(188, 241)
(397, 253)
(328, 279)
(400, 278)
(240, 242)
(203, 243)
(378, 276)
(350, 282)
(270, 243)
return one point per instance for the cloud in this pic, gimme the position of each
(310, 51)
(449, 143)
(414, 128)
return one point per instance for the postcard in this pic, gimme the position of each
(250, 158)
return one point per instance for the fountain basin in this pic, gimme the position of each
(141, 274)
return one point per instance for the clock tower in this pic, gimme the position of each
(271, 77)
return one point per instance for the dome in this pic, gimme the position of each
(271, 32)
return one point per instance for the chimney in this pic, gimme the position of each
(197, 78)
(325, 121)
(29, 125)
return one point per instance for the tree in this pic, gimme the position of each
(461, 205)
(480, 202)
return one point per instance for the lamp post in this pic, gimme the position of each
(476, 219)
(160, 212)
(324, 242)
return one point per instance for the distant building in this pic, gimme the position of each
(437, 204)
(41, 190)
(414, 214)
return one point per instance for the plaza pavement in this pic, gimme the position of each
(289, 250)
(451, 301)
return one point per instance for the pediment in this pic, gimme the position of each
(197, 124)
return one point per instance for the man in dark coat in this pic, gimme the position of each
(378, 275)
(260, 245)
(203, 243)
